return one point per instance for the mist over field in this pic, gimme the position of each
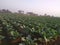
(50, 7)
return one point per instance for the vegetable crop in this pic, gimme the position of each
(28, 30)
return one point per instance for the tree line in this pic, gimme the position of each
(21, 12)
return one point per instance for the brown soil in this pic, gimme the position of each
(51, 42)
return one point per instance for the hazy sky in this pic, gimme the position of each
(51, 7)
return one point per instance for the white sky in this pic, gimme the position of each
(51, 7)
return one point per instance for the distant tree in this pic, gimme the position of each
(20, 11)
(0, 11)
(45, 14)
(5, 11)
(8, 11)
(31, 13)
